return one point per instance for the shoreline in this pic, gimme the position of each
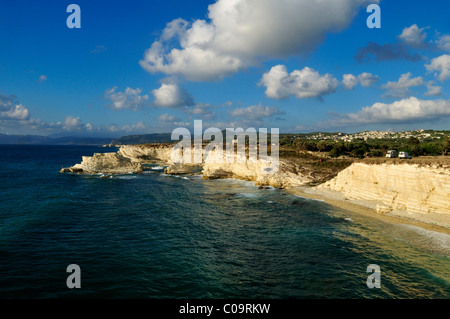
(375, 186)
(332, 198)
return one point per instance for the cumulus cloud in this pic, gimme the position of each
(11, 109)
(74, 124)
(401, 87)
(441, 65)
(17, 112)
(365, 79)
(241, 33)
(171, 95)
(201, 110)
(255, 112)
(433, 90)
(443, 42)
(167, 118)
(406, 110)
(349, 81)
(303, 83)
(129, 99)
(16, 119)
(413, 36)
(368, 79)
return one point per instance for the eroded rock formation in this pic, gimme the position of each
(404, 187)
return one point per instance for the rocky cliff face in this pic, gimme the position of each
(285, 176)
(147, 153)
(107, 163)
(129, 158)
(405, 187)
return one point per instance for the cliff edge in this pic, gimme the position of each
(407, 190)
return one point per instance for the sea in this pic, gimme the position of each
(159, 236)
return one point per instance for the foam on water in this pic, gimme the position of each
(428, 239)
(125, 177)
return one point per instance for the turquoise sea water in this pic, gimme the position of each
(157, 236)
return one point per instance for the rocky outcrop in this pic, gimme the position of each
(409, 188)
(285, 176)
(107, 163)
(183, 169)
(71, 170)
(150, 153)
(129, 159)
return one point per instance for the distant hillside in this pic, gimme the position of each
(158, 138)
(38, 139)
(143, 139)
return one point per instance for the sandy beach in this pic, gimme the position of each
(433, 222)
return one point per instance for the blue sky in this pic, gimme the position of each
(139, 67)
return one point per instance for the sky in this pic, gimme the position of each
(139, 67)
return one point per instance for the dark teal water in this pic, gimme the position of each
(156, 236)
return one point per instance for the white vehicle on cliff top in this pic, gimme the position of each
(392, 154)
(404, 155)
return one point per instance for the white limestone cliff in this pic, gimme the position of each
(107, 163)
(406, 188)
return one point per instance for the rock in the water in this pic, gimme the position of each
(71, 170)
(182, 169)
(107, 163)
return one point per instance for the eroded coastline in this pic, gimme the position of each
(402, 193)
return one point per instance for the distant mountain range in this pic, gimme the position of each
(75, 140)
(38, 139)
(143, 139)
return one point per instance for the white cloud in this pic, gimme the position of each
(405, 110)
(195, 62)
(11, 109)
(365, 79)
(73, 123)
(202, 110)
(303, 83)
(433, 90)
(167, 118)
(413, 35)
(171, 95)
(255, 112)
(349, 81)
(443, 42)
(441, 65)
(130, 99)
(368, 79)
(117, 130)
(241, 33)
(43, 78)
(16, 119)
(401, 87)
(16, 112)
